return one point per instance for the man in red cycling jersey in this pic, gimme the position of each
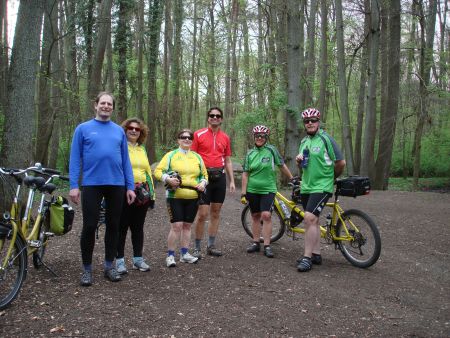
(214, 147)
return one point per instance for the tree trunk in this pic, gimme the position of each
(362, 89)
(427, 27)
(154, 26)
(246, 63)
(311, 55)
(211, 43)
(94, 85)
(292, 134)
(368, 162)
(175, 81)
(140, 57)
(260, 88)
(19, 123)
(121, 45)
(323, 59)
(3, 54)
(389, 120)
(343, 90)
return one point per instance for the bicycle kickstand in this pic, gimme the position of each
(47, 267)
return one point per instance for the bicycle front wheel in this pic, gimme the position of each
(13, 267)
(278, 226)
(38, 255)
(364, 247)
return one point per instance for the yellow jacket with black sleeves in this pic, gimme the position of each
(141, 166)
(189, 166)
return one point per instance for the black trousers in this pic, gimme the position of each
(91, 198)
(133, 218)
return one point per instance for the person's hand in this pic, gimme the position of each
(232, 187)
(201, 186)
(131, 196)
(244, 199)
(173, 182)
(299, 158)
(74, 195)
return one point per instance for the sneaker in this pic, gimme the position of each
(315, 259)
(255, 247)
(120, 266)
(86, 278)
(112, 275)
(140, 264)
(170, 261)
(197, 253)
(213, 251)
(305, 264)
(268, 252)
(188, 258)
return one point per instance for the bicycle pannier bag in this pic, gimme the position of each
(61, 216)
(353, 186)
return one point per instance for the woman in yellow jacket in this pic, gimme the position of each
(133, 216)
(185, 177)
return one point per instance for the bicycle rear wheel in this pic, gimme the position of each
(13, 269)
(365, 247)
(278, 226)
(38, 255)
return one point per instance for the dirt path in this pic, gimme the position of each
(405, 294)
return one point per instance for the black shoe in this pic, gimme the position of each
(86, 278)
(268, 252)
(112, 275)
(255, 247)
(213, 251)
(305, 264)
(316, 259)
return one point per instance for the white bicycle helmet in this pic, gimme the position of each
(310, 112)
(261, 130)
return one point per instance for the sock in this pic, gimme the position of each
(170, 253)
(87, 267)
(108, 265)
(266, 246)
(198, 244)
(184, 251)
(211, 240)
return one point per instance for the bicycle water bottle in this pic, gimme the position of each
(305, 160)
(328, 220)
(285, 209)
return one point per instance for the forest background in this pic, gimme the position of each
(378, 71)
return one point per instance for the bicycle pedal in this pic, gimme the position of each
(35, 243)
(49, 234)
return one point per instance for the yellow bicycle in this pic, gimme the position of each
(20, 234)
(352, 231)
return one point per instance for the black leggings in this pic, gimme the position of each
(133, 217)
(91, 198)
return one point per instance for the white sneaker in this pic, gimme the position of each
(120, 266)
(188, 258)
(140, 264)
(170, 262)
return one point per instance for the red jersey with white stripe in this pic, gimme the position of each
(212, 147)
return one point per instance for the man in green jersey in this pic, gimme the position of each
(322, 162)
(259, 186)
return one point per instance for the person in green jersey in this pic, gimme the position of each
(259, 186)
(321, 162)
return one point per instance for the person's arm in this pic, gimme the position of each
(339, 166)
(244, 187)
(229, 171)
(75, 166)
(285, 170)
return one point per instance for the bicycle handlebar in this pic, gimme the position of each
(37, 168)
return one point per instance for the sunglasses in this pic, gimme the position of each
(306, 121)
(133, 128)
(186, 137)
(261, 136)
(215, 116)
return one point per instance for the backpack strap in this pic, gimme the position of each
(324, 141)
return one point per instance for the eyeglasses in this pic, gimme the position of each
(215, 116)
(306, 121)
(261, 136)
(186, 137)
(133, 128)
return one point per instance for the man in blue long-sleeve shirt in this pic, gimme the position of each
(100, 164)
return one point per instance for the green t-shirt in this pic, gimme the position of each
(318, 176)
(260, 165)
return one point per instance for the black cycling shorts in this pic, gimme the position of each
(182, 210)
(215, 191)
(260, 202)
(315, 202)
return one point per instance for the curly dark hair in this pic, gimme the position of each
(144, 129)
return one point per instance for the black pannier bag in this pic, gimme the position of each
(353, 186)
